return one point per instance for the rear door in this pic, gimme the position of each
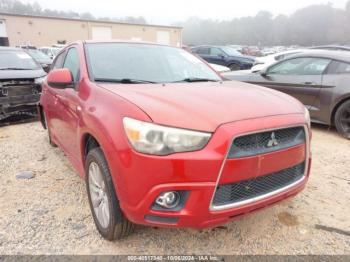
(299, 77)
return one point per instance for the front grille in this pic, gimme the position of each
(265, 142)
(244, 190)
(19, 87)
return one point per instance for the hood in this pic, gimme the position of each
(18, 74)
(205, 106)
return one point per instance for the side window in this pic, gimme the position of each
(284, 56)
(339, 68)
(202, 50)
(72, 63)
(216, 51)
(300, 66)
(58, 63)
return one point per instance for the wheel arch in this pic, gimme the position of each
(89, 142)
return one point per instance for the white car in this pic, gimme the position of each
(262, 62)
(220, 68)
(50, 51)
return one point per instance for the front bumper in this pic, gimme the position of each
(142, 178)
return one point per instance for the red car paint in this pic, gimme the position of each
(226, 109)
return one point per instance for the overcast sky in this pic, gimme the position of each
(169, 11)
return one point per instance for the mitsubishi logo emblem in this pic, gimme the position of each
(273, 141)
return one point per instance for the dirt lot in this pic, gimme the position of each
(49, 214)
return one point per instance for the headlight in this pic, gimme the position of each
(39, 80)
(307, 117)
(159, 140)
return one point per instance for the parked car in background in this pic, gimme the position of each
(251, 51)
(265, 61)
(217, 68)
(20, 83)
(225, 56)
(319, 79)
(39, 56)
(50, 51)
(162, 140)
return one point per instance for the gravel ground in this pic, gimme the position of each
(49, 214)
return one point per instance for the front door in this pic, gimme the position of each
(299, 77)
(68, 108)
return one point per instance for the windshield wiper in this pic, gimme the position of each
(196, 79)
(14, 68)
(124, 81)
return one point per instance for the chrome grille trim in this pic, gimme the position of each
(258, 143)
(212, 207)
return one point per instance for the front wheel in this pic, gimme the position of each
(342, 119)
(234, 67)
(108, 217)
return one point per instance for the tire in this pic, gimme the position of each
(48, 131)
(234, 67)
(110, 223)
(342, 119)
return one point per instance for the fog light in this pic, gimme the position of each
(168, 199)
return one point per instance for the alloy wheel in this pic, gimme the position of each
(98, 195)
(345, 119)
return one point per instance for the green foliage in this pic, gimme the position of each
(312, 25)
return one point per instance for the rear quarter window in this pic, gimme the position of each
(339, 68)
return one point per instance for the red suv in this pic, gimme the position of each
(162, 140)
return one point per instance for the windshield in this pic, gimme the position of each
(55, 51)
(230, 51)
(145, 62)
(36, 54)
(17, 60)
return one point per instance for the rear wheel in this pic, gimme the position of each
(108, 217)
(342, 119)
(234, 67)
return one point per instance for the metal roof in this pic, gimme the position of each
(336, 55)
(87, 20)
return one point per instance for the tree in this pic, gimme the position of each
(312, 25)
(17, 7)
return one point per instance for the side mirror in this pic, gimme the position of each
(60, 78)
(263, 72)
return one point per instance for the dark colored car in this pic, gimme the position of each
(44, 60)
(251, 50)
(319, 79)
(20, 82)
(224, 55)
